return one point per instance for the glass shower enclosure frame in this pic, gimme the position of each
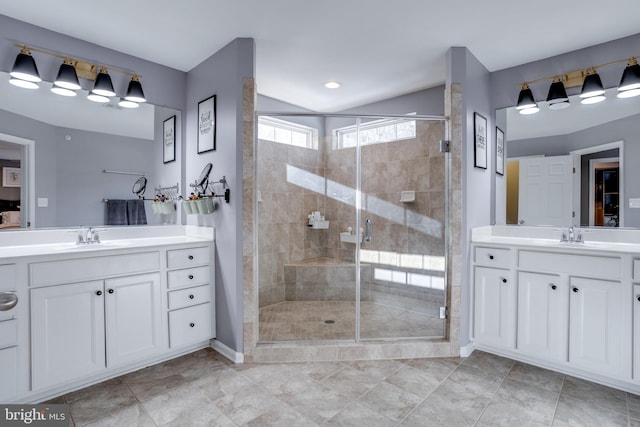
(352, 226)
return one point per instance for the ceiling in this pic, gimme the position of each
(377, 49)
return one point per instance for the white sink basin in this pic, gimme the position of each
(93, 246)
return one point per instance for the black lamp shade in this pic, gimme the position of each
(134, 91)
(557, 97)
(103, 85)
(630, 78)
(525, 99)
(25, 68)
(67, 77)
(592, 86)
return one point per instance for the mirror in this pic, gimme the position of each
(203, 179)
(139, 186)
(599, 140)
(74, 154)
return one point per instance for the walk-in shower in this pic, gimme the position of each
(352, 227)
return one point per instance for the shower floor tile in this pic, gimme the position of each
(336, 320)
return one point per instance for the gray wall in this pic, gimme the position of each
(223, 75)
(477, 199)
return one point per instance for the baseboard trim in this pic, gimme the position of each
(227, 352)
(467, 350)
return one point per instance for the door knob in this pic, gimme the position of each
(575, 290)
(554, 287)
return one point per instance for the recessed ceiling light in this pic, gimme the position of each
(332, 84)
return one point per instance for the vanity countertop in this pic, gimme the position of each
(603, 240)
(62, 241)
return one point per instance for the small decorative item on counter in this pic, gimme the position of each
(316, 220)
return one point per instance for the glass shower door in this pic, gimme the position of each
(402, 211)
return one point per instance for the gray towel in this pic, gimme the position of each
(116, 212)
(136, 213)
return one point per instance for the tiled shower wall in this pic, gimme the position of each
(285, 174)
(283, 236)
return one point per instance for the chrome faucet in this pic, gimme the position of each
(572, 235)
(88, 236)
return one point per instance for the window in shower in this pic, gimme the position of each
(286, 132)
(376, 132)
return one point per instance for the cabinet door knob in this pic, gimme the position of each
(504, 280)
(490, 256)
(191, 277)
(98, 293)
(554, 287)
(638, 297)
(192, 324)
(191, 296)
(575, 289)
(110, 291)
(190, 257)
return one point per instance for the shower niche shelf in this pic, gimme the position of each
(349, 237)
(318, 224)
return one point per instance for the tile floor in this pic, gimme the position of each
(305, 320)
(204, 389)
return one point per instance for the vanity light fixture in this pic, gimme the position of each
(630, 81)
(557, 97)
(526, 103)
(24, 72)
(592, 89)
(134, 91)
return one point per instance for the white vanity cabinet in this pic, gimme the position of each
(543, 306)
(563, 306)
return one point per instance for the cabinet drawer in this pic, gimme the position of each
(8, 277)
(190, 325)
(494, 257)
(8, 333)
(188, 277)
(181, 258)
(84, 269)
(580, 265)
(188, 297)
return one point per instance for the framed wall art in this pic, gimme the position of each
(10, 177)
(169, 140)
(480, 141)
(499, 151)
(207, 125)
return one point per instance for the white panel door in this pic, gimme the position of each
(598, 337)
(67, 332)
(8, 373)
(133, 306)
(636, 332)
(545, 195)
(543, 315)
(494, 307)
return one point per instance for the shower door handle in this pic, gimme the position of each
(367, 230)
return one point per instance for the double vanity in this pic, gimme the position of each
(545, 297)
(87, 312)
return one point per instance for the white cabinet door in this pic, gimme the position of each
(8, 374)
(133, 306)
(636, 332)
(545, 191)
(494, 307)
(543, 315)
(67, 332)
(599, 339)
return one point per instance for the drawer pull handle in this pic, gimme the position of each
(504, 280)
(192, 324)
(98, 293)
(554, 287)
(490, 256)
(191, 257)
(191, 277)
(191, 296)
(8, 300)
(575, 290)
(110, 291)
